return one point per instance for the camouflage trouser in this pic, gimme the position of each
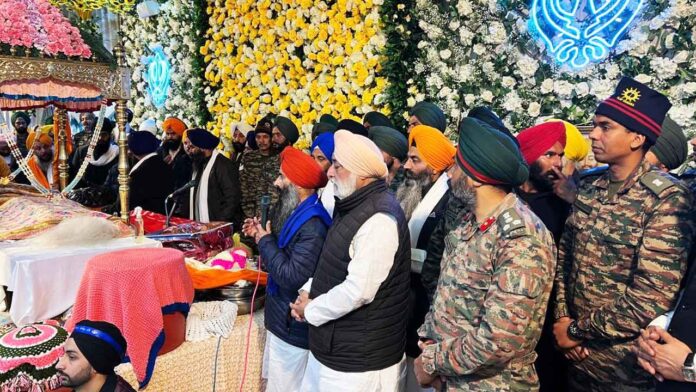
(578, 381)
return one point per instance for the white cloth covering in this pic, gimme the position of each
(319, 378)
(201, 206)
(44, 283)
(425, 207)
(372, 253)
(326, 195)
(283, 365)
(107, 157)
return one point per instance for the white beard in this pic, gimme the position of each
(345, 189)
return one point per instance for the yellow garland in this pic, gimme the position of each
(85, 7)
(253, 60)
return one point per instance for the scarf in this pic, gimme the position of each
(199, 193)
(46, 181)
(305, 211)
(107, 157)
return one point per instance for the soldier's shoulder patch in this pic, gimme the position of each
(658, 182)
(510, 222)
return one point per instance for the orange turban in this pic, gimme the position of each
(175, 125)
(301, 169)
(43, 137)
(434, 147)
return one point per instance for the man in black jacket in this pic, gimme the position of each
(216, 196)
(290, 255)
(150, 178)
(357, 301)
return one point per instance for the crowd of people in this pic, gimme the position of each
(401, 260)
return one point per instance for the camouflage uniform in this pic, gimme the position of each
(689, 178)
(619, 266)
(257, 173)
(491, 299)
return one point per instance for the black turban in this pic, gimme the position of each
(142, 143)
(377, 119)
(429, 114)
(486, 115)
(328, 119)
(353, 127)
(203, 139)
(101, 343)
(287, 128)
(322, 127)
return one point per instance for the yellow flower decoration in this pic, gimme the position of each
(297, 58)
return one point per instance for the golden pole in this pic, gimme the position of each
(60, 116)
(121, 119)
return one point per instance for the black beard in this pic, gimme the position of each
(287, 203)
(410, 193)
(172, 145)
(198, 158)
(278, 148)
(541, 181)
(22, 130)
(100, 149)
(238, 147)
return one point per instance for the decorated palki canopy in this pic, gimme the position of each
(44, 60)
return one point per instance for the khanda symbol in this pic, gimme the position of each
(157, 75)
(577, 32)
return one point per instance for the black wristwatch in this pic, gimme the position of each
(574, 332)
(689, 369)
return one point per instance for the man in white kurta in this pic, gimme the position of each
(359, 293)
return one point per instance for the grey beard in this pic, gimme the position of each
(464, 193)
(410, 193)
(287, 203)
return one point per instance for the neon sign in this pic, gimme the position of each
(577, 32)
(158, 72)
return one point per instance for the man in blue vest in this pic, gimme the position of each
(357, 301)
(290, 257)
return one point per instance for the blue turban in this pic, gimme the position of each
(325, 142)
(142, 143)
(202, 139)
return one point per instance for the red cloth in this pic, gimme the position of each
(153, 222)
(132, 289)
(535, 141)
(301, 169)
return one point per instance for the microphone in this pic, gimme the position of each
(265, 206)
(184, 188)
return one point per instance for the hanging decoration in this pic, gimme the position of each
(158, 72)
(579, 32)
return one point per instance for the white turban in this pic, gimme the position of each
(359, 155)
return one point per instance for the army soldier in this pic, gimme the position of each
(496, 278)
(258, 170)
(624, 249)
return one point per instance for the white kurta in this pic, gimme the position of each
(283, 365)
(372, 253)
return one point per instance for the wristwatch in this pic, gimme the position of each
(574, 332)
(689, 369)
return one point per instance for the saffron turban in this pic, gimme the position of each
(352, 126)
(433, 146)
(488, 155)
(670, 148)
(325, 143)
(390, 141)
(175, 125)
(429, 114)
(301, 169)
(287, 128)
(359, 155)
(43, 137)
(101, 343)
(203, 139)
(377, 119)
(535, 141)
(577, 147)
(142, 143)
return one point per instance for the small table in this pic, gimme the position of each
(44, 282)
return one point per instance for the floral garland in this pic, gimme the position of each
(480, 52)
(22, 161)
(40, 25)
(179, 28)
(90, 151)
(299, 59)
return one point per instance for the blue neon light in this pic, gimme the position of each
(158, 72)
(576, 35)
